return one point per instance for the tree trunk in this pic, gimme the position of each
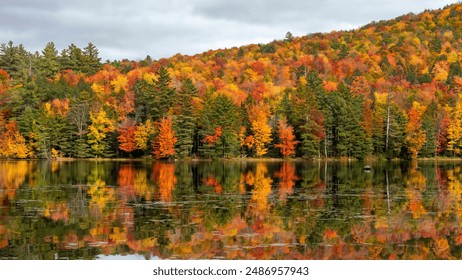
(388, 123)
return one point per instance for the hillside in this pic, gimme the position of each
(389, 89)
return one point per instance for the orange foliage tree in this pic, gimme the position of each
(4, 79)
(416, 137)
(126, 136)
(164, 144)
(287, 140)
(212, 139)
(12, 143)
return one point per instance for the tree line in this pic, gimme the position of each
(388, 90)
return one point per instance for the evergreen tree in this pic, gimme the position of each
(48, 62)
(306, 116)
(220, 120)
(64, 60)
(72, 58)
(154, 101)
(429, 126)
(350, 139)
(75, 58)
(164, 94)
(184, 123)
(144, 101)
(91, 59)
(16, 61)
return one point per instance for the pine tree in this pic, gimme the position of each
(48, 62)
(91, 60)
(164, 94)
(64, 60)
(184, 123)
(16, 61)
(153, 101)
(220, 112)
(144, 101)
(350, 139)
(72, 58)
(306, 116)
(75, 58)
(429, 126)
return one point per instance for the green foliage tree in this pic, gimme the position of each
(429, 126)
(155, 100)
(164, 93)
(48, 62)
(16, 61)
(91, 59)
(184, 122)
(220, 112)
(305, 114)
(349, 137)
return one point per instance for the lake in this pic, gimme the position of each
(230, 210)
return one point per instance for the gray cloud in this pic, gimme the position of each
(133, 29)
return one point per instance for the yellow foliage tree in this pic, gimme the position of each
(441, 71)
(258, 116)
(120, 83)
(142, 134)
(100, 126)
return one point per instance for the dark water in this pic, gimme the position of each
(230, 210)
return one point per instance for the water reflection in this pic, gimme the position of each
(230, 210)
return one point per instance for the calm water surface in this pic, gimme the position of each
(229, 210)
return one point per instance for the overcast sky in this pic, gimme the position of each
(161, 28)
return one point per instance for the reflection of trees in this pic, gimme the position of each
(416, 184)
(102, 198)
(126, 182)
(164, 175)
(318, 210)
(287, 179)
(454, 192)
(133, 183)
(211, 181)
(78, 204)
(12, 175)
(258, 204)
(143, 188)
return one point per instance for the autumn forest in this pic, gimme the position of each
(390, 89)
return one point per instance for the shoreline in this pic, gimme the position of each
(238, 159)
